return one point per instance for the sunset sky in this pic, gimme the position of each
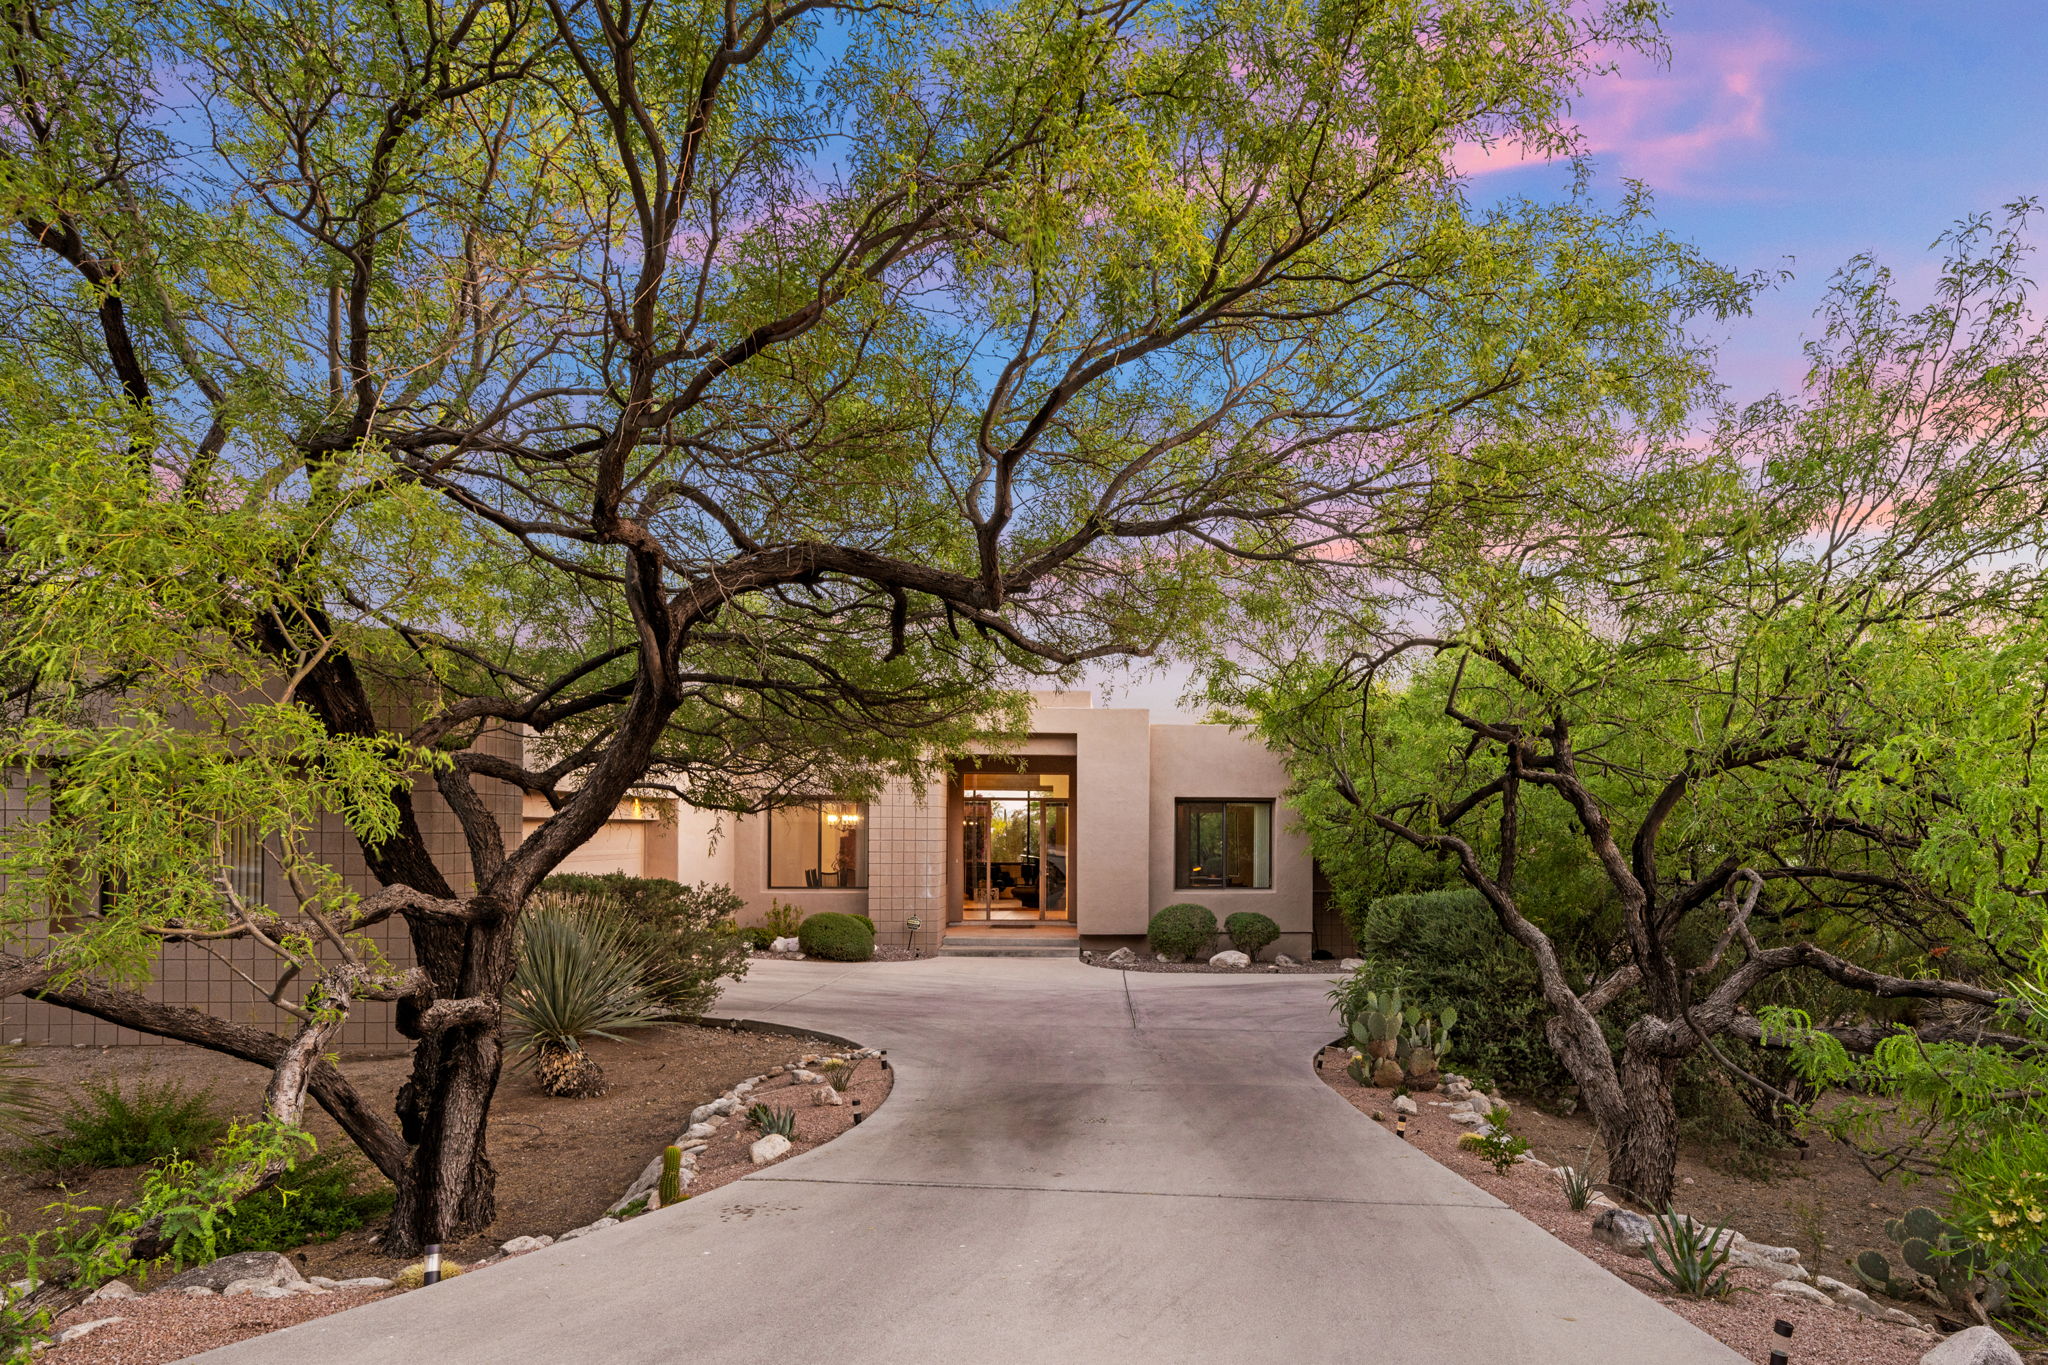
(1793, 136)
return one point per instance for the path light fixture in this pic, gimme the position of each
(1780, 1356)
(1401, 1125)
(910, 928)
(432, 1268)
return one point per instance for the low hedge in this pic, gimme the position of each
(1250, 931)
(1181, 930)
(836, 937)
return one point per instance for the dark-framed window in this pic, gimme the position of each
(819, 846)
(1222, 844)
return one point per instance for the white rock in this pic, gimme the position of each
(1283, 960)
(698, 1131)
(785, 945)
(375, 1281)
(1629, 1233)
(805, 1077)
(1765, 1252)
(1977, 1346)
(113, 1289)
(1123, 957)
(520, 1244)
(827, 1095)
(1793, 1289)
(599, 1226)
(1745, 1259)
(1403, 1104)
(197, 1291)
(768, 1149)
(724, 1105)
(78, 1330)
(1350, 964)
(244, 1289)
(1465, 1116)
(698, 1116)
(1230, 957)
(1162, 957)
(1847, 1296)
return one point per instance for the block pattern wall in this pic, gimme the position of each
(191, 976)
(907, 862)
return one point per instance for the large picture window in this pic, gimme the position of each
(1223, 844)
(819, 846)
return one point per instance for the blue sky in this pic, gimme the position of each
(1795, 135)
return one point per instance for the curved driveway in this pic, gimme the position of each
(1076, 1165)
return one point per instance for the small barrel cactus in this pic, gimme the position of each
(671, 1187)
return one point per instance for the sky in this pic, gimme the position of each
(1791, 137)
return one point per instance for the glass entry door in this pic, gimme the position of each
(1015, 849)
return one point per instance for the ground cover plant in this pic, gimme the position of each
(108, 1125)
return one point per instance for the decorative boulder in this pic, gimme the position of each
(1404, 1105)
(785, 945)
(1793, 1289)
(112, 1289)
(768, 1149)
(522, 1244)
(1387, 1073)
(1350, 964)
(82, 1329)
(266, 1267)
(1122, 957)
(1283, 960)
(1230, 957)
(1631, 1234)
(1977, 1346)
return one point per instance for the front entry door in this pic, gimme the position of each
(1015, 850)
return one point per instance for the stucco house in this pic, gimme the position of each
(1099, 819)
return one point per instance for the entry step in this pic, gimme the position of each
(999, 944)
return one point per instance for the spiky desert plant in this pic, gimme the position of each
(768, 1118)
(1691, 1260)
(574, 981)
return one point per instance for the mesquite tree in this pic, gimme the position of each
(725, 395)
(1783, 698)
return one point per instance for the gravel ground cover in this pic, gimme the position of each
(1821, 1335)
(882, 954)
(157, 1329)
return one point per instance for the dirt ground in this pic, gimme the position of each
(560, 1163)
(1843, 1204)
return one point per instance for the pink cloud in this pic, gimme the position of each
(1668, 125)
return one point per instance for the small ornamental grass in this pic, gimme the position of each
(1498, 1148)
(1690, 1257)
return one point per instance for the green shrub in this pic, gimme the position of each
(107, 1127)
(758, 937)
(772, 1118)
(1250, 931)
(783, 920)
(317, 1202)
(1181, 930)
(685, 938)
(1446, 949)
(836, 937)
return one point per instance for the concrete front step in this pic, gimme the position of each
(1011, 945)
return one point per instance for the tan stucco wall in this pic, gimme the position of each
(1218, 763)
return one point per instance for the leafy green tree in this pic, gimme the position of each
(728, 398)
(1782, 698)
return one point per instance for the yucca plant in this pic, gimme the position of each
(770, 1119)
(1578, 1187)
(575, 980)
(1693, 1262)
(838, 1073)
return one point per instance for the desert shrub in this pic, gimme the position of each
(107, 1126)
(1445, 948)
(759, 937)
(783, 919)
(317, 1202)
(576, 978)
(1249, 931)
(684, 937)
(1181, 930)
(836, 937)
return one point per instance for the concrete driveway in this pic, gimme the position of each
(1076, 1165)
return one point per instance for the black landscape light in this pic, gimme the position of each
(432, 1273)
(857, 1117)
(1780, 1356)
(1401, 1125)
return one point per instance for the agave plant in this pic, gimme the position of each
(575, 980)
(1691, 1257)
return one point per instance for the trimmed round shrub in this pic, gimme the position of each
(1181, 930)
(836, 937)
(758, 937)
(1250, 931)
